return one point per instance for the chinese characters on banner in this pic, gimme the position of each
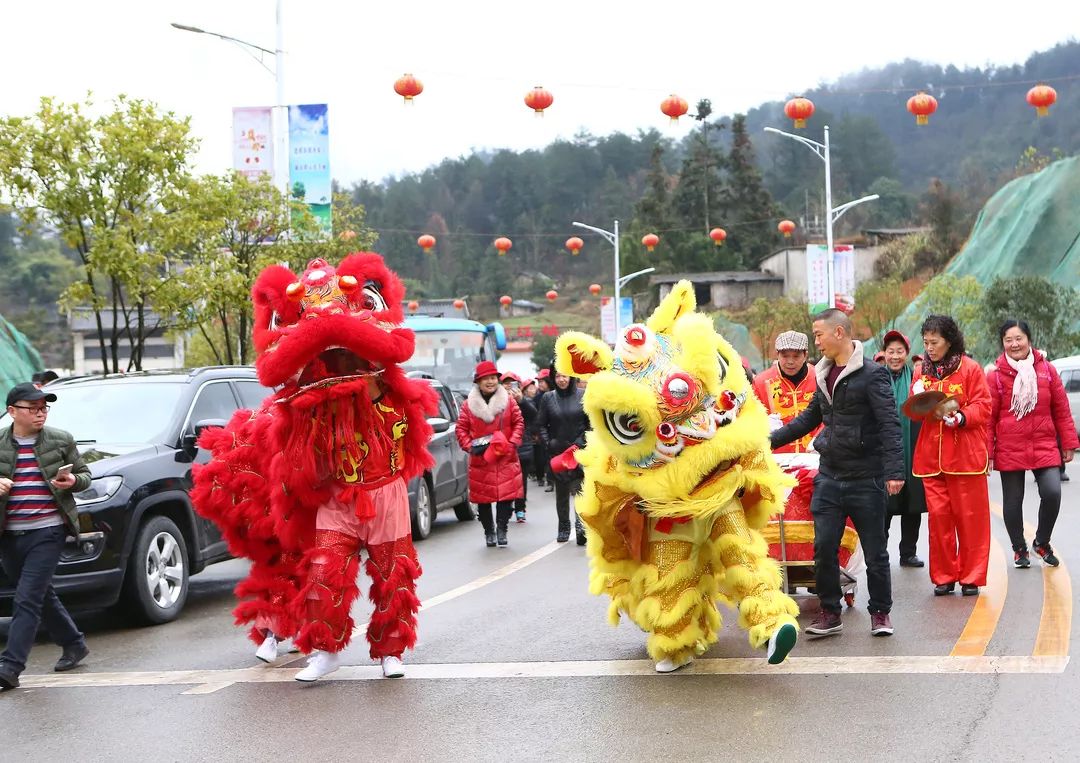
(607, 316)
(309, 161)
(817, 277)
(253, 145)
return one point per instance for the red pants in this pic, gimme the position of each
(959, 509)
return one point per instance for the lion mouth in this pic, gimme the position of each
(335, 365)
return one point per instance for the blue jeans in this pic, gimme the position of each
(864, 501)
(29, 560)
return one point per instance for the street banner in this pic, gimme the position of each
(607, 316)
(309, 161)
(817, 277)
(253, 144)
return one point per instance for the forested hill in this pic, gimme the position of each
(974, 141)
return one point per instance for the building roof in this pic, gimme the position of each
(719, 276)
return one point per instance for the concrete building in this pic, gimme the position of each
(790, 266)
(159, 351)
(725, 289)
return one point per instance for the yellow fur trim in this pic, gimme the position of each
(574, 352)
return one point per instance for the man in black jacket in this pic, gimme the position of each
(861, 463)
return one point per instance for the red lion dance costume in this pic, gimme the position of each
(318, 473)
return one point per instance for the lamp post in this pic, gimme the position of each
(831, 214)
(612, 237)
(280, 120)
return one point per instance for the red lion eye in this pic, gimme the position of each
(679, 389)
(368, 302)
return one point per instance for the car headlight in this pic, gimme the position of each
(101, 489)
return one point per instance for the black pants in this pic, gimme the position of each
(563, 490)
(503, 510)
(910, 525)
(540, 461)
(29, 561)
(1012, 504)
(526, 467)
(864, 502)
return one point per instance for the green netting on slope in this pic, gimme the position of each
(738, 336)
(18, 358)
(1030, 227)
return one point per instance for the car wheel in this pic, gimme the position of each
(156, 584)
(464, 511)
(423, 515)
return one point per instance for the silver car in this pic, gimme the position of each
(1069, 368)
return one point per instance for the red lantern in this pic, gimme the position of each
(414, 306)
(539, 99)
(650, 240)
(503, 244)
(459, 304)
(426, 242)
(799, 109)
(574, 244)
(674, 107)
(408, 87)
(505, 300)
(718, 235)
(786, 227)
(1042, 97)
(922, 105)
(552, 295)
(595, 288)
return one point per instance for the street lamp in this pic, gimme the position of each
(612, 237)
(831, 214)
(281, 144)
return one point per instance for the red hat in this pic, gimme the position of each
(510, 375)
(893, 336)
(485, 368)
(544, 373)
(526, 382)
(879, 356)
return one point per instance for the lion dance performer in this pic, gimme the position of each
(678, 481)
(319, 472)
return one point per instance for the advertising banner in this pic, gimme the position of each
(607, 316)
(309, 160)
(253, 144)
(817, 277)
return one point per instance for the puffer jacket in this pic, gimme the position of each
(498, 479)
(562, 419)
(961, 450)
(53, 449)
(1033, 441)
(528, 440)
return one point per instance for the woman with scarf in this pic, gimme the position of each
(910, 503)
(951, 459)
(1029, 417)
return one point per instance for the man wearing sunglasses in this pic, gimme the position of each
(37, 511)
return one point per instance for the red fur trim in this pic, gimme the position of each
(369, 266)
(393, 569)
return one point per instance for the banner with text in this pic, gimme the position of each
(607, 316)
(309, 161)
(817, 277)
(253, 144)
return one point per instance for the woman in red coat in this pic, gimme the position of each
(951, 458)
(490, 428)
(1031, 428)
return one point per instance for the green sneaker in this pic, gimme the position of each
(782, 642)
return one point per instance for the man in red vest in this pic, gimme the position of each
(787, 387)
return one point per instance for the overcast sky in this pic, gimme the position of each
(608, 64)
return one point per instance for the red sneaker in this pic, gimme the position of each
(825, 624)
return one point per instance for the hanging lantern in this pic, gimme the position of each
(505, 300)
(552, 295)
(718, 235)
(674, 107)
(595, 288)
(650, 240)
(459, 304)
(408, 87)
(503, 244)
(1042, 97)
(426, 242)
(799, 109)
(786, 227)
(414, 306)
(574, 244)
(539, 99)
(922, 105)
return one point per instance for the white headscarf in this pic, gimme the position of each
(1026, 387)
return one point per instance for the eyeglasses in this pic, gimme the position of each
(42, 409)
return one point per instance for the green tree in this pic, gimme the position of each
(878, 304)
(768, 317)
(543, 351)
(961, 298)
(747, 204)
(1051, 310)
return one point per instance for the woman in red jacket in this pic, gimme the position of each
(490, 428)
(951, 458)
(1031, 428)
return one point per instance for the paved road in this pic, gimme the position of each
(516, 662)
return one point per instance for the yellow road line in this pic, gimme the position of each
(983, 620)
(1055, 624)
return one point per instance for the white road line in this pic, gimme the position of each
(901, 665)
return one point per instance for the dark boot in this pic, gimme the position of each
(489, 538)
(501, 535)
(580, 531)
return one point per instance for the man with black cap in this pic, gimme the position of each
(40, 470)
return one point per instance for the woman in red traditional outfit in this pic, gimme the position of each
(951, 458)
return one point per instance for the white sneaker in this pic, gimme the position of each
(392, 667)
(319, 664)
(267, 651)
(667, 665)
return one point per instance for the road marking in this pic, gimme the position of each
(1055, 624)
(866, 665)
(983, 620)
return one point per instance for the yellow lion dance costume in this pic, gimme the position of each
(679, 478)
